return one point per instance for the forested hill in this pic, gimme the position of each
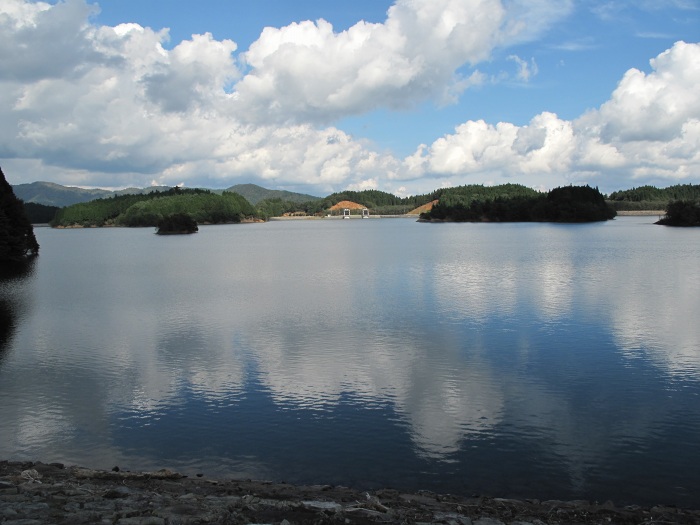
(377, 201)
(653, 198)
(148, 210)
(566, 204)
(383, 203)
(254, 194)
(678, 192)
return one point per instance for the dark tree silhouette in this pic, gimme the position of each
(682, 213)
(17, 241)
(177, 223)
(566, 204)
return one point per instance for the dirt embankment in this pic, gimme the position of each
(347, 204)
(423, 209)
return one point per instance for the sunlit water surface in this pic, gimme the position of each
(517, 360)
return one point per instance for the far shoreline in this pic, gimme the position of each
(630, 213)
(623, 213)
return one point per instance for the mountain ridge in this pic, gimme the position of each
(52, 194)
(254, 194)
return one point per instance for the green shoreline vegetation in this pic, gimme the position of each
(567, 204)
(682, 213)
(177, 223)
(470, 203)
(652, 198)
(202, 206)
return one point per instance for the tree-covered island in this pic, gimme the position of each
(682, 213)
(569, 204)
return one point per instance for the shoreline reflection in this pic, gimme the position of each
(493, 358)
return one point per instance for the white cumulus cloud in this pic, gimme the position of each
(307, 71)
(95, 105)
(647, 132)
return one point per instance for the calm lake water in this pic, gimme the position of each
(515, 360)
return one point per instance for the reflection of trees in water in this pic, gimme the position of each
(7, 326)
(12, 276)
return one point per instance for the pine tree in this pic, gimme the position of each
(17, 240)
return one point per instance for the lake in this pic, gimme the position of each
(514, 360)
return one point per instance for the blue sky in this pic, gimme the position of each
(579, 62)
(402, 96)
(242, 21)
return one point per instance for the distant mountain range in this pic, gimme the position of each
(254, 194)
(50, 194)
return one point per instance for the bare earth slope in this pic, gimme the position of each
(347, 204)
(422, 209)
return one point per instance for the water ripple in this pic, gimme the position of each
(530, 360)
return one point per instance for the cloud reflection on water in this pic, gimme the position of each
(443, 398)
(664, 327)
(490, 336)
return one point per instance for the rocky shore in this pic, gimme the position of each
(38, 494)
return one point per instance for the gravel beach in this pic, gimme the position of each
(38, 494)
